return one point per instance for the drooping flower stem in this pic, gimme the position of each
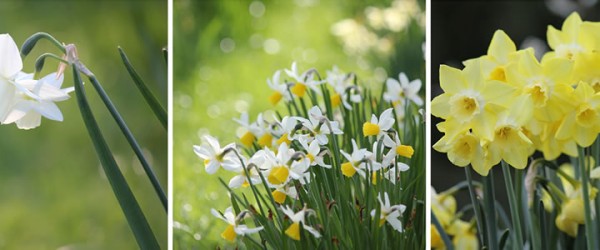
(133, 213)
(447, 243)
(589, 223)
(514, 208)
(475, 203)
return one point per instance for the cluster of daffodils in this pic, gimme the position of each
(443, 206)
(311, 164)
(503, 107)
(507, 104)
(24, 99)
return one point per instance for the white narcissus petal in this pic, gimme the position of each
(212, 167)
(202, 152)
(10, 58)
(394, 222)
(49, 110)
(7, 94)
(29, 121)
(217, 214)
(403, 166)
(17, 112)
(313, 231)
(236, 181)
(243, 230)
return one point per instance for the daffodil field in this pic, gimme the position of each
(539, 120)
(341, 167)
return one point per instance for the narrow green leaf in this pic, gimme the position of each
(135, 217)
(131, 140)
(158, 110)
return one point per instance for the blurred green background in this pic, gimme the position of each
(54, 194)
(225, 50)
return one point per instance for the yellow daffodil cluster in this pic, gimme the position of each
(507, 104)
(464, 234)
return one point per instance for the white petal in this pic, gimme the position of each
(29, 121)
(212, 167)
(7, 95)
(17, 112)
(313, 231)
(10, 58)
(202, 151)
(49, 110)
(236, 181)
(395, 223)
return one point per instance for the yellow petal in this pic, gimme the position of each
(275, 98)
(405, 150)
(501, 46)
(279, 196)
(299, 89)
(247, 139)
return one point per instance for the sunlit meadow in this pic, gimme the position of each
(223, 59)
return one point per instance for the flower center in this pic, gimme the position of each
(229, 233)
(275, 98)
(370, 129)
(299, 89)
(265, 140)
(348, 170)
(498, 74)
(278, 175)
(405, 150)
(311, 157)
(586, 116)
(247, 139)
(293, 231)
(284, 138)
(279, 196)
(466, 145)
(336, 100)
(538, 93)
(464, 107)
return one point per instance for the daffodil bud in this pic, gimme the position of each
(32, 40)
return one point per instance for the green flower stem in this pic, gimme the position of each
(475, 203)
(33, 39)
(514, 207)
(589, 223)
(159, 111)
(39, 62)
(132, 142)
(135, 217)
(490, 211)
(445, 238)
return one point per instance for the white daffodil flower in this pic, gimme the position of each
(243, 179)
(234, 229)
(313, 153)
(356, 161)
(396, 148)
(340, 83)
(34, 99)
(280, 89)
(293, 231)
(390, 213)
(285, 129)
(10, 66)
(303, 81)
(397, 91)
(283, 191)
(318, 127)
(379, 126)
(282, 167)
(214, 156)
